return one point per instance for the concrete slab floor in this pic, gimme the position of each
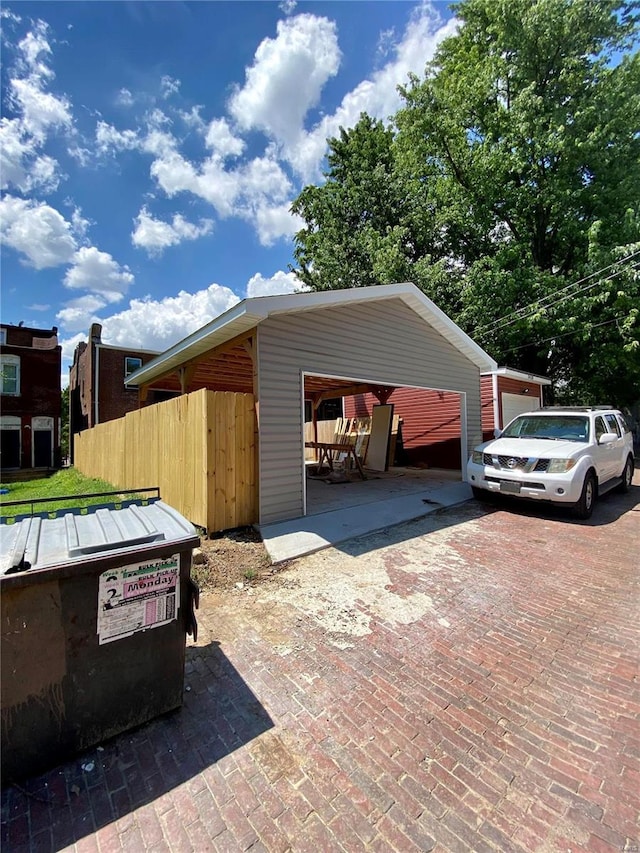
(340, 511)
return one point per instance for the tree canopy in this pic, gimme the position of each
(507, 188)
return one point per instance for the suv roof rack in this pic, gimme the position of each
(576, 408)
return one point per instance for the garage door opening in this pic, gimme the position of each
(390, 443)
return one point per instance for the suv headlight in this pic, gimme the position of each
(560, 466)
(476, 457)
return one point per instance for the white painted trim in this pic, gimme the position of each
(464, 453)
(253, 311)
(510, 373)
(48, 428)
(304, 466)
(496, 405)
(14, 361)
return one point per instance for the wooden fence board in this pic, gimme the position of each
(199, 448)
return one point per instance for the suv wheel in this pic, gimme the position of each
(627, 476)
(584, 507)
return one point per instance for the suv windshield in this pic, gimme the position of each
(558, 427)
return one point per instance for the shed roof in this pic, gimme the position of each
(249, 313)
(521, 375)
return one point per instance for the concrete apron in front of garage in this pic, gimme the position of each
(337, 512)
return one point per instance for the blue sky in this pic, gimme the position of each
(151, 151)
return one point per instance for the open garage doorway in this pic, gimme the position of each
(389, 444)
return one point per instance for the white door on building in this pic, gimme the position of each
(515, 404)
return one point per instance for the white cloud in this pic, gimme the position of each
(37, 231)
(192, 118)
(78, 314)
(158, 324)
(159, 143)
(221, 140)
(38, 112)
(377, 96)
(169, 86)
(98, 273)
(68, 346)
(155, 236)
(41, 111)
(287, 77)
(110, 140)
(37, 306)
(272, 223)
(287, 6)
(260, 182)
(124, 98)
(21, 165)
(280, 282)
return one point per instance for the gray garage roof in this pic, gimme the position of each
(249, 313)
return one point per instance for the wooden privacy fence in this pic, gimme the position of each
(199, 448)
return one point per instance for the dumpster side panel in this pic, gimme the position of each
(62, 691)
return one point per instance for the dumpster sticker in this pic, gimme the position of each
(134, 598)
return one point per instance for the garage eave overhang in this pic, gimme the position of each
(520, 375)
(249, 313)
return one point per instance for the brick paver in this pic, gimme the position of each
(501, 714)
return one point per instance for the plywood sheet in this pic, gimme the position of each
(378, 449)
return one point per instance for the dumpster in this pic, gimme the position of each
(95, 608)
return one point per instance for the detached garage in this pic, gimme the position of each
(315, 346)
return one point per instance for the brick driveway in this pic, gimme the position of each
(464, 682)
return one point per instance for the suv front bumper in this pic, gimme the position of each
(558, 488)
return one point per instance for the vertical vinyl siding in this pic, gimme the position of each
(382, 342)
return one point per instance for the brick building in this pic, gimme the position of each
(97, 383)
(30, 364)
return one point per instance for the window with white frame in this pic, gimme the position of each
(10, 374)
(131, 364)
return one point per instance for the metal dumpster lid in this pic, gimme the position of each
(34, 543)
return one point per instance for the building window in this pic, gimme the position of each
(3, 337)
(10, 374)
(131, 365)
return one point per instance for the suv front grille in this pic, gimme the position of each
(519, 463)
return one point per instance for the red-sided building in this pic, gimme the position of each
(30, 364)
(431, 424)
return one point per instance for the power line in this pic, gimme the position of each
(572, 284)
(563, 335)
(553, 299)
(552, 304)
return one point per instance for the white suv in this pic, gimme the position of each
(564, 455)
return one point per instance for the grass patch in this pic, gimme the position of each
(63, 483)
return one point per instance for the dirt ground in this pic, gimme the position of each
(236, 558)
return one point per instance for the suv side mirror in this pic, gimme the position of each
(607, 438)
(497, 433)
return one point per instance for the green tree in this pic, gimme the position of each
(510, 177)
(535, 129)
(350, 217)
